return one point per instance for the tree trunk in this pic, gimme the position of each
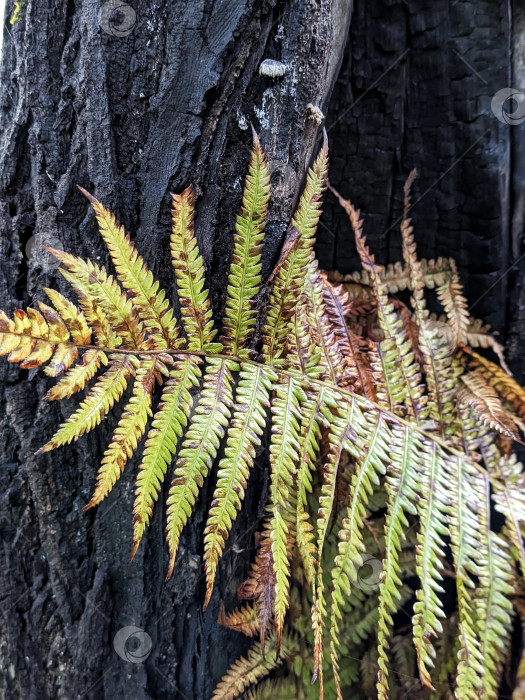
(131, 103)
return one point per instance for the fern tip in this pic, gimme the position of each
(134, 550)
(89, 196)
(255, 137)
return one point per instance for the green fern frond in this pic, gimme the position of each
(245, 271)
(289, 281)
(350, 539)
(128, 432)
(244, 435)
(402, 485)
(78, 376)
(195, 307)
(199, 448)
(149, 299)
(509, 499)
(284, 453)
(466, 486)
(168, 425)
(374, 406)
(105, 393)
(493, 609)
(73, 318)
(92, 283)
(316, 414)
(432, 511)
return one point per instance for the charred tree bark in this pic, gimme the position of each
(131, 103)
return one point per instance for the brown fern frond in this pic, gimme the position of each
(338, 308)
(244, 619)
(255, 665)
(260, 585)
(507, 387)
(484, 399)
(450, 294)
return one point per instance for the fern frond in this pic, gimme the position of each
(244, 435)
(504, 384)
(168, 424)
(508, 485)
(244, 619)
(93, 284)
(73, 318)
(338, 307)
(105, 393)
(187, 262)
(289, 281)
(199, 448)
(33, 337)
(284, 453)
(401, 369)
(375, 407)
(402, 484)
(479, 336)
(260, 585)
(466, 491)
(251, 668)
(77, 377)
(335, 365)
(432, 510)
(245, 271)
(487, 405)
(371, 466)
(316, 414)
(450, 294)
(396, 276)
(148, 298)
(342, 435)
(128, 432)
(494, 609)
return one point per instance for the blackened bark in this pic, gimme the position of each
(131, 105)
